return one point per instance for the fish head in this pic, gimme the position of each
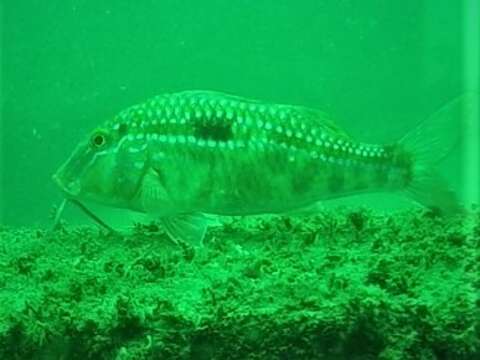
(89, 173)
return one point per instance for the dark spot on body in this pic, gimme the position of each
(360, 185)
(406, 164)
(336, 181)
(303, 183)
(122, 129)
(401, 160)
(408, 175)
(380, 175)
(208, 129)
(359, 178)
(388, 150)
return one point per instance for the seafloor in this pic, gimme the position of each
(342, 284)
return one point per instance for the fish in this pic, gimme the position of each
(187, 157)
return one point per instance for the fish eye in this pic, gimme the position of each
(98, 139)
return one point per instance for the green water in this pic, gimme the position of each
(368, 277)
(379, 68)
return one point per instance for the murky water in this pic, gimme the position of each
(378, 68)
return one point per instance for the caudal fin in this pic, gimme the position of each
(431, 142)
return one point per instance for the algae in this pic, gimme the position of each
(344, 284)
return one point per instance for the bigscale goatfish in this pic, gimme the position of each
(183, 155)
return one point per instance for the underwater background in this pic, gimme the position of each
(368, 277)
(377, 67)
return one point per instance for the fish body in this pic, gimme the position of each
(203, 152)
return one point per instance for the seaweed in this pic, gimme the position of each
(344, 284)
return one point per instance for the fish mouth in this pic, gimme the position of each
(71, 189)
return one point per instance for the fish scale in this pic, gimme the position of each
(294, 154)
(181, 155)
(293, 127)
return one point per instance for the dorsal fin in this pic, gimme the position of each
(323, 120)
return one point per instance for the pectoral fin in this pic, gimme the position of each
(189, 228)
(153, 194)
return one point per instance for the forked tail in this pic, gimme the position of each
(428, 144)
